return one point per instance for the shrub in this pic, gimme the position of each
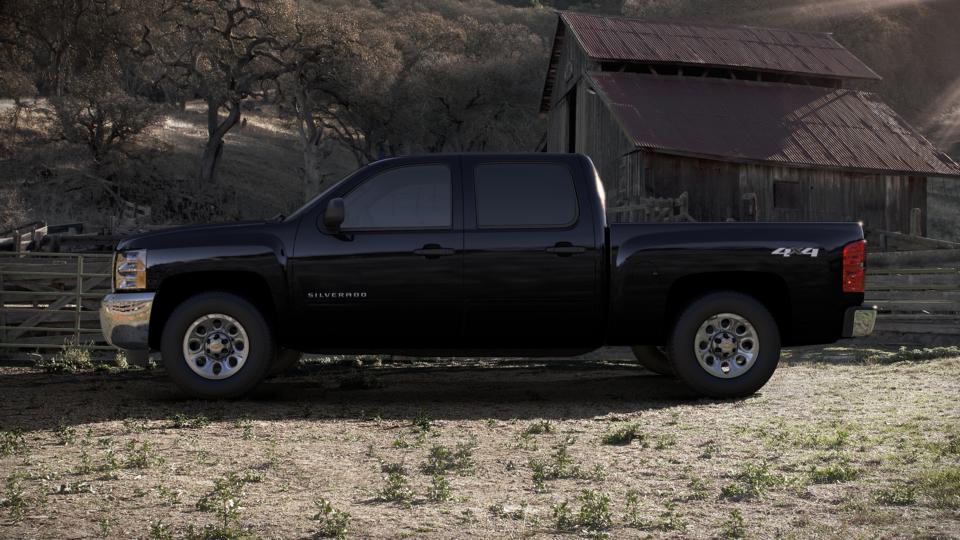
(593, 516)
(540, 427)
(734, 526)
(753, 481)
(332, 522)
(396, 487)
(897, 495)
(12, 442)
(71, 358)
(439, 490)
(623, 434)
(442, 459)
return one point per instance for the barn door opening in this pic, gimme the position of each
(572, 120)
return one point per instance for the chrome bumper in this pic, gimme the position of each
(859, 321)
(125, 320)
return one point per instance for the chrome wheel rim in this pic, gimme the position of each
(726, 345)
(215, 346)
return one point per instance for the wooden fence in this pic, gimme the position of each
(651, 209)
(47, 299)
(918, 295)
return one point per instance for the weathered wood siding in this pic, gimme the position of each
(600, 137)
(717, 189)
(558, 127)
(573, 64)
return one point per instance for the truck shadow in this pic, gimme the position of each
(504, 390)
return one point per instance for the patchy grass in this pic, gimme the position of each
(622, 434)
(486, 448)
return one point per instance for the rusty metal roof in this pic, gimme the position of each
(743, 47)
(784, 124)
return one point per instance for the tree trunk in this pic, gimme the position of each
(312, 178)
(216, 131)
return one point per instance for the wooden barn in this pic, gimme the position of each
(749, 123)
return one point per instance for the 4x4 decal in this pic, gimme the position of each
(786, 252)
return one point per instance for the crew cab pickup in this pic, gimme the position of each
(479, 255)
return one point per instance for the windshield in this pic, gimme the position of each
(306, 207)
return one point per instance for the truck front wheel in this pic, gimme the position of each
(217, 345)
(725, 345)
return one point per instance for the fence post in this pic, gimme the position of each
(76, 326)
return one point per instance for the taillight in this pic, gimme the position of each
(854, 268)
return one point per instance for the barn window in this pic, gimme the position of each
(786, 194)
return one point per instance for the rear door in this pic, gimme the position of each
(392, 277)
(531, 258)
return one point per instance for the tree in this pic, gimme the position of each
(97, 113)
(15, 85)
(432, 81)
(223, 51)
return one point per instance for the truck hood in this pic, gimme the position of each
(192, 235)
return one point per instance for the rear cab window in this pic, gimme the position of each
(525, 195)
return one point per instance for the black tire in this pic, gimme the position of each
(285, 361)
(653, 359)
(260, 354)
(683, 341)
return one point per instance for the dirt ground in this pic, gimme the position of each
(833, 447)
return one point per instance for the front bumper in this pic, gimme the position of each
(859, 321)
(125, 320)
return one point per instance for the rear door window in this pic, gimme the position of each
(524, 195)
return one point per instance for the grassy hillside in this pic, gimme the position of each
(59, 182)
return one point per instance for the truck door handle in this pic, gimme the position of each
(432, 251)
(565, 249)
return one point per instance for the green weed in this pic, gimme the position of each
(333, 523)
(439, 490)
(182, 421)
(593, 517)
(14, 498)
(623, 434)
(12, 443)
(943, 487)
(65, 433)
(540, 427)
(442, 459)
(734, 527)
(396, 487)
(753, 481)
(71, 358)
(897, 495)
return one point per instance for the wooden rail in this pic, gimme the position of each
(918, 295)
(49, 298)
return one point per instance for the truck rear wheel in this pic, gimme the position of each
(725, 345)
(217, 345)
(653, 359)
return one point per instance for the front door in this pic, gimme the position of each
(532, 258)
(391, 278)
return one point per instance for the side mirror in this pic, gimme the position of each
(334, 215)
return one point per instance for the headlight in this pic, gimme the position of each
(130, 270)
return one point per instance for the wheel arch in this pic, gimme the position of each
(173, 290)
(767, 288)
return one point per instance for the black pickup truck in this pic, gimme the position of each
(480, 255)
